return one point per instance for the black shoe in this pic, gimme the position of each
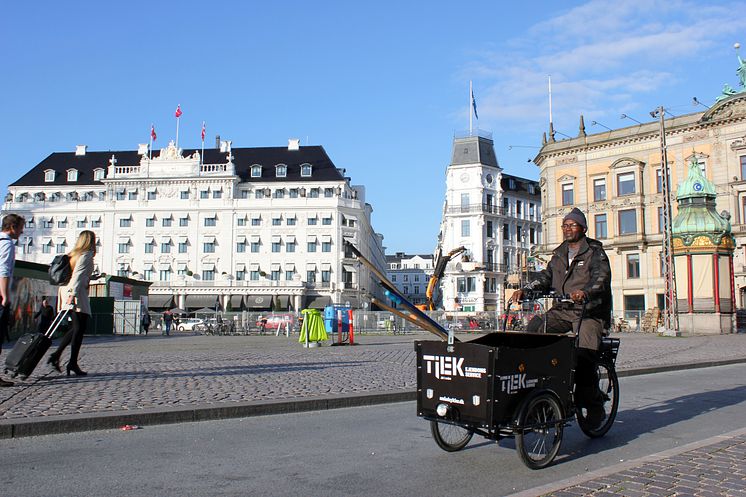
(54, 361)
(75, 369)
(4, 383)
(595, 416)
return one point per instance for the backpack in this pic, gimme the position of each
(60, 270)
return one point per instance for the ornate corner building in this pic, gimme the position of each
(263, 225)
(616, 178)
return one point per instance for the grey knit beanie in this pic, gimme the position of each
(577, 216)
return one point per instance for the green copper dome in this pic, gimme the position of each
(697, 215)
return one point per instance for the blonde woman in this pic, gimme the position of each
(74, 295)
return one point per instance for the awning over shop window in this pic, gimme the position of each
(149, 239)
(311, 238)
(276, 239)
(349, 267)
(310, 266)
(199, 301)
(289, 266)
(183, 239)
(208, 266)
(259, 302)
(326, 238)
(326, 266)
(275, 266)
(289, 238)
(241, 239)
(254, 266)
(209, 239)
(156, 301)
(255, 238)
(236, 302)
(317, 301)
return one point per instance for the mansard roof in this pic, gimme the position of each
(243, 158)
(520, 185)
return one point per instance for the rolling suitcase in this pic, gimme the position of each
(30, 349)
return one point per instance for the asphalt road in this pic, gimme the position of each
(377, 450)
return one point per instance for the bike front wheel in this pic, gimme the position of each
(450, 438)
(539, 432)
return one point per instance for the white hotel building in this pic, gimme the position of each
(265, 225)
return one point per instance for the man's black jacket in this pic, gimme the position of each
(590, 271)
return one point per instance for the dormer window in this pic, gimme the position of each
(256, 171)
(49, 176)
(98, 174)
(72, 175)
(305, 170)
(281, 170)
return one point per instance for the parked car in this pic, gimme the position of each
(188, 324)
(275, 321)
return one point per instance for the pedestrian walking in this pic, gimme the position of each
(145, 321)
(45, 315)
(168, 320)
(74, 295)
(12, 227)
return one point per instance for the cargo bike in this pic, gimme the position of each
(504, 384)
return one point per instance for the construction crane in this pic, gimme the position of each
(439, 267)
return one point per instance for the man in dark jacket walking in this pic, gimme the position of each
(45, 315)
(579, 268)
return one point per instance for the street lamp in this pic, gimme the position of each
(596, 123)
(625, 116)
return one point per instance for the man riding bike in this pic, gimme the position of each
(579, 268)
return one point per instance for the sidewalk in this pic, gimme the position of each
(154, 379)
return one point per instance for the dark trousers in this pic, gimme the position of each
(73, 336)
(4, 324)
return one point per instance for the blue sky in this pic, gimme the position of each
(382, 86)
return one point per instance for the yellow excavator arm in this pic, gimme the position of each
(439, 267)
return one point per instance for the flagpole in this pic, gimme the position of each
(550, 99)
(471, 92)
(202, 156)
(178, 118)
(150, 152)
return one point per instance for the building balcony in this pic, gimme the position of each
(476, 208)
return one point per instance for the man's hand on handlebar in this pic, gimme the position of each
(578, 296)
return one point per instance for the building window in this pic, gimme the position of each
(314, 193)
(326, 221)
(289, 275)
(211, 221)
(661, 264)
(290, 247)
(328, 192)
(506, 231)
(184, 195)
(311, 276)
(305, 170)
(634, 307)
(256, 221)
(464, 202)
(293, 193)
(95, 223)
(659, 180)
(208, 274)
(274, 275)
(276, 221)
(208, 247)
(311, 247)
(204, 194)
(61, 247)
(625, 183)
(661, 221)
(149, 247)
(49, 176)
(241, 247)
(601, 231)
(62, 223)
(132, 195)
(518, 207)
(166, 247)
(120, 195)
(124, 248)
(326, 246)
(256, 171)
(81, 223)
(153, 195)
(532, 235)
(291, 221)
(240, 275)
(259, 193)
(276, 247)
(241, 221)
(599, 189)
(72, 175)
(46, 248)
(743, 167)
(217, 194)
(326, 276)
(98, 174)
(182, 247)
(633, 265)
(149, 222)
(489, 229)
(254, 247)
(405, 277)
(281, 171)
(465, 227)
(166, 222)
(568, 196)
(254, 275)
(165, 274)
(125, 222)
(183, 221)
(147, 274)
(627, 221)
(466, 284)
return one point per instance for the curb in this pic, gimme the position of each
(50, 425)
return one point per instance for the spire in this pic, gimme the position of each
(543, 138)
(551, 132)
(581, 132)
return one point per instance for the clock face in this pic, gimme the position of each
(464, 177)
(697, 186)
(488, 178)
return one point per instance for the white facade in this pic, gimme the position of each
(495, 216)
(265, 224)
(410, 274)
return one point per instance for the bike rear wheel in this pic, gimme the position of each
(608, 384)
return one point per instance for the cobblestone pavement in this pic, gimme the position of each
(136, 373)
(702, 469)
